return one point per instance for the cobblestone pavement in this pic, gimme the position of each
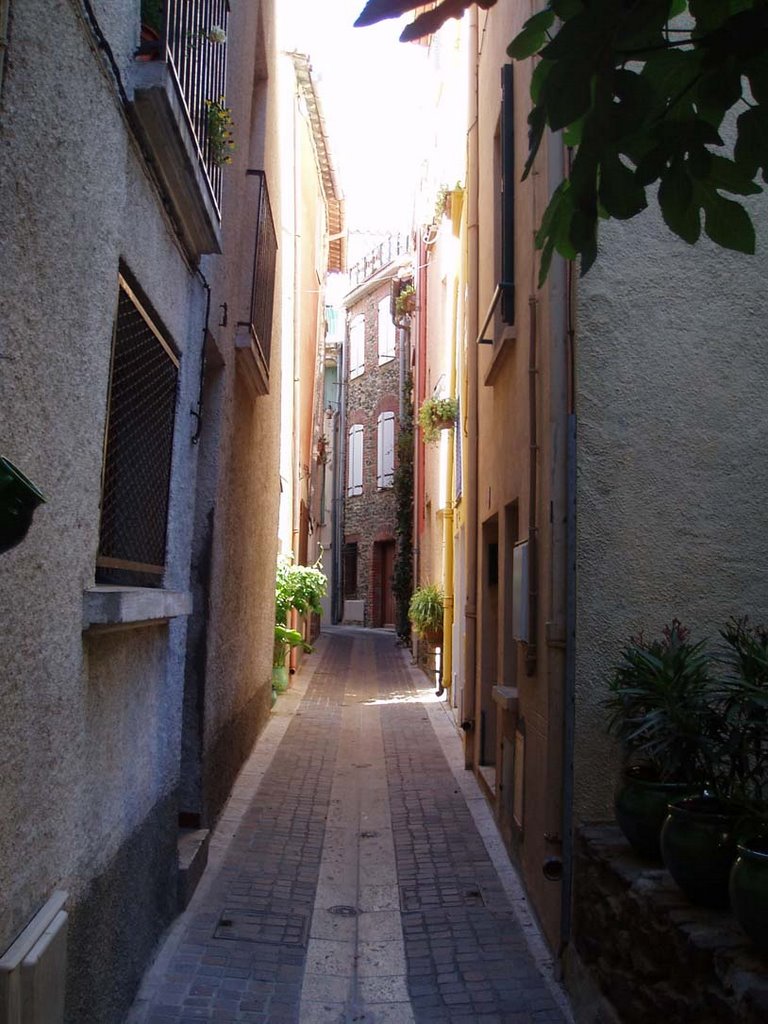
(348, 879)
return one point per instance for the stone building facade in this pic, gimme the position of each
(373, 372)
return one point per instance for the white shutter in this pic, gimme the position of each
(355, 461)
(386, 332)
(357, 346)
(388, 448)
(380, 451)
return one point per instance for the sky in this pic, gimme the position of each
(371, 90)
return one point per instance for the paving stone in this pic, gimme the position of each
(434, 938)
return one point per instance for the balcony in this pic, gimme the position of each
(179, 77)
(253, 338)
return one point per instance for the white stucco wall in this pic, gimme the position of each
(672, 405)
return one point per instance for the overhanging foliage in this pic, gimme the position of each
(641, 89)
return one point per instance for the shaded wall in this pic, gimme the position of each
(672, 405)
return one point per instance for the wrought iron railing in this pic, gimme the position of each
(384, 253)
(192, 40)
(264, 262)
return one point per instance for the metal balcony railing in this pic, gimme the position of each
(192, 40)
(384, 253)
(264, 263)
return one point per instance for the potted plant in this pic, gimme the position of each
(437, 414)
(285, 639)
(299, 588)
(152, 20)
(660, 712)
(425, 611)
(219, 123)
(701, 836)
(745, 710)
(18, 500)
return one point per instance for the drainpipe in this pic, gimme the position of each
(533, 456)
(470, 476)
(447, 514)
(341, 454)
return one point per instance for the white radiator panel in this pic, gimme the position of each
(33, 969)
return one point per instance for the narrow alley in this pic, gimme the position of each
(348, 880)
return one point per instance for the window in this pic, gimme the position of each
(385, 468)
(355, 460)
(507, 196)
(139, 441)
(357, 346)
(255, 343)
(386, 332)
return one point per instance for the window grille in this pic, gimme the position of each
(264, 262)
(139, 441)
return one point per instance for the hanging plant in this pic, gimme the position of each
(437, 414)
(405, 303)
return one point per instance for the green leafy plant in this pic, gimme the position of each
(285, 639)
(405, 303)
(435, 414)
(641, 91)
(661, 707)
(742, 703)
(425, 610)
(643, 95)
(220, 131)
(300, 587)
(152, 14)
(402, 576)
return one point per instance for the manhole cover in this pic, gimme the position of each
(262, 926)
(368, 835)
(343, 911)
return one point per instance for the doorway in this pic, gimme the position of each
(383, 574)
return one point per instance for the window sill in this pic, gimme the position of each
(499, 354)
(109, 608)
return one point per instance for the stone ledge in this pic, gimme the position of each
(650, 953)
(110, 607)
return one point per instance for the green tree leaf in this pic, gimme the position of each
(678, 208)
(728, 224)
(533, 35)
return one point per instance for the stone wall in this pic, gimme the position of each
(370, 517)
(641, 952)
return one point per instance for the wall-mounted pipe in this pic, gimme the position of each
(533, 462)
(469, 487)
(198, 411)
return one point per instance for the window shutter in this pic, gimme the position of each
(357, 346)
(355, 461)
(387, 445)
(507, 194)
(380, 447)
(386, 332)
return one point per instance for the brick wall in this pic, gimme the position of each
(370, 517)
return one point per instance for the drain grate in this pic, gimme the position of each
(369, 835)
(262, 926)
(343, 911)
(427, 896)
